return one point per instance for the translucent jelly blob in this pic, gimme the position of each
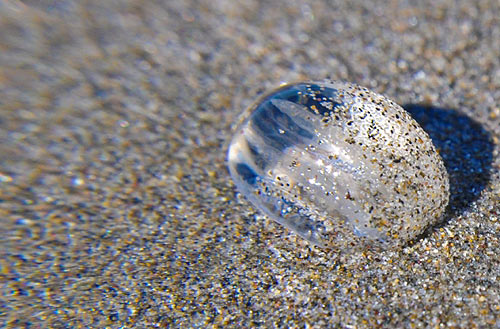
(339, 165)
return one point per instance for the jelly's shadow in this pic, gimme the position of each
(467, 152)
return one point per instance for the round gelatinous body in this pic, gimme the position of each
(338, 164)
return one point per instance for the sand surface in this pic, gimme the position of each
(116, 207)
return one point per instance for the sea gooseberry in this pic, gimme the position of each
(338, 164)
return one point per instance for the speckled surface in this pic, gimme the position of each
(341, 166)
(117, 209)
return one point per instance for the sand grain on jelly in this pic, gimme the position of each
(339, 165)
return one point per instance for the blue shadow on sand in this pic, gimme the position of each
(466, 148)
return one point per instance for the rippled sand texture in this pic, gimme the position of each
(116, 206)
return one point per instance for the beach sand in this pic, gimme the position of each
(116, 206)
